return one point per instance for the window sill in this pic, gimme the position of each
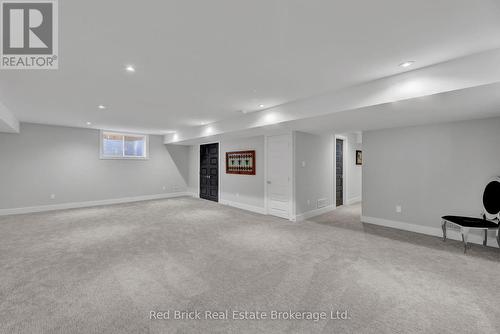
(123, 158)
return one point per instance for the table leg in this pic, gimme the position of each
(485, 241)
(443, 227)
(498, 236)
(465, 233)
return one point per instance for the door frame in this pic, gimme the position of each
(291, 182)
(345, 158)
(218, 169)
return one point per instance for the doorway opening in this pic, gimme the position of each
(209, 172)
(339, 171)
(348, 160)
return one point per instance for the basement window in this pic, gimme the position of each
(116, 145)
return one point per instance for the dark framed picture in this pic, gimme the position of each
(241, 162)
(359, 157)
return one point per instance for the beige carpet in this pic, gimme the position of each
(102, 270)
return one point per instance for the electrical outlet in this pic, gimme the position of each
(308, 203)
(303, 164)
(52, 196)
(399, 209)
(237, 194)
(164, 188)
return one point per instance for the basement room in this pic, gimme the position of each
(231, 166)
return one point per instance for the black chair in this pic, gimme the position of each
(490, 217)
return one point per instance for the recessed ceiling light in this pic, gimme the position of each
(101, 106)
(261, 106)
(407, 63)
(130, 68)
(89, 123)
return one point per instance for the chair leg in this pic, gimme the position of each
(485, 241)
(443, 227)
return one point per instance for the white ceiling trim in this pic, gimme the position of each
(471, 71)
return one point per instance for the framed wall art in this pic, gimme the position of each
(241, 162)
(359, 157)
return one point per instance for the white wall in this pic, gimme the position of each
(245, 191)
(313, 181)
(42, 160)
(430, 171)
(194, 169)
(8, 122)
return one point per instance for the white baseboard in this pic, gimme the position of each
(75, 205)
(434, 231)
(353, 200)
(243, 206)
(314, 213)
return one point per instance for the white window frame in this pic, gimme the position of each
(123, 157)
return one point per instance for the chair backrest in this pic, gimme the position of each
(491, 199)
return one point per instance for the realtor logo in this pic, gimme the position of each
(29, 34)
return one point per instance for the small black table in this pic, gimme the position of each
(465, 224)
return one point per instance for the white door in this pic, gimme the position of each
(278, 176)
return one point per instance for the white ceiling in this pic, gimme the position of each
(202, 61)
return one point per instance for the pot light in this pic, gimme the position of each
(89, 123)
(407, 63)
(270, 118)
(130, 68)
(101, 106)
(261, 106)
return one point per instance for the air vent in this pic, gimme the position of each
(322, 202)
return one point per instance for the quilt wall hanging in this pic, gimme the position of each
(241, 162)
